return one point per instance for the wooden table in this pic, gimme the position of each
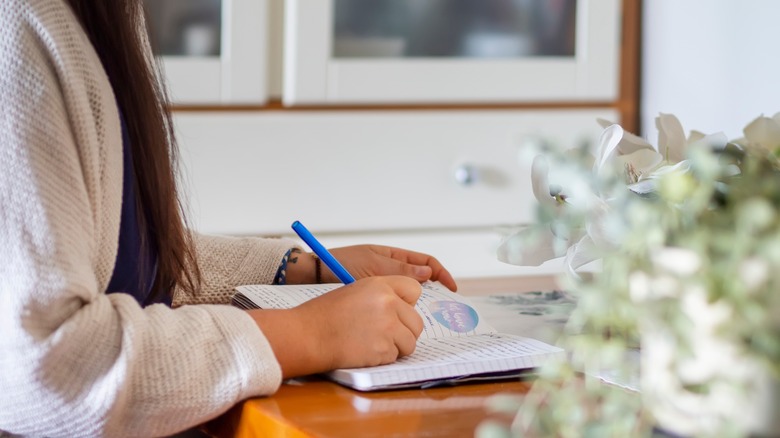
(318, 408)
(314, 407)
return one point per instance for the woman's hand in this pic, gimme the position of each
(367, 323)
(367, 260)
(364, 261)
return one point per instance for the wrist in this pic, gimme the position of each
(298, 350)
(301, 268)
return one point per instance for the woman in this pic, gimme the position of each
(92, 247)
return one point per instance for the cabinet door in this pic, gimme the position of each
(407, 51)
(213, 51)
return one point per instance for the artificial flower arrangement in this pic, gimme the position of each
(688, 237)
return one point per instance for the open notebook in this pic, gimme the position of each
(456, 343)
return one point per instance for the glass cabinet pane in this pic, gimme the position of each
(185, 27)
(453, 28)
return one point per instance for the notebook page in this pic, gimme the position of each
(443, 313)
(447, 314)
(266, 296)
(449, 357)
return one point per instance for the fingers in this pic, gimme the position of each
(419, 273)
(371, 260)
(445, 278)
(406, 336)
(406, 288)
(399, 332)
(387, 265)
(405, 342)
(411, 320)
(421, 267)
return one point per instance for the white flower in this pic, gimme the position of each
(629, 143)
(630, 154)
(530, 247)
(763, 132)
(644, 164)
(568, 190)
(671, 138)
(540, 184)
(564, 191)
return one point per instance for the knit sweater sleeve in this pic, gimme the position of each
(226, 262)
(73, 360)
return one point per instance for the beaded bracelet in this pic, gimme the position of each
(281, 272)
(317, 269)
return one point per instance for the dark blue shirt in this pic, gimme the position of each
(136, 266)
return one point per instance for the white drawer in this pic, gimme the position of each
(350, 171)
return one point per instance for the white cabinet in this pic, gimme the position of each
(331, 52)
(369, 171)
(212, 51)
(385, 177)
(412, 51)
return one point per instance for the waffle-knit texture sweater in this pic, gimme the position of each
(75, 361)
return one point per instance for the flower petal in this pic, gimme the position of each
(671, 137)
(649, 182)
(643, 160)
(608, 142)
(764, 132)
(540, 180)
(715, 141)
(682, 166)
(630, 142)
(644, 187)
(695, 136)
(580, 254)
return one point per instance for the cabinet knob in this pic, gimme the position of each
(466, 175)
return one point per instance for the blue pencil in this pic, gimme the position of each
(323, 253)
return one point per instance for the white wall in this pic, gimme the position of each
(713, 63)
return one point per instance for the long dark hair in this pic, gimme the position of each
(117, 31)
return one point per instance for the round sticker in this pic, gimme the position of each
(458, 317)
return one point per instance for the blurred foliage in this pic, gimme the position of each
(696, 258)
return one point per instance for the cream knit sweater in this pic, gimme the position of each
(73, 360)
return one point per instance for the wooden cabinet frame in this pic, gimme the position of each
(626, 103)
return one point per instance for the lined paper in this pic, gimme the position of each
(446, 358)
